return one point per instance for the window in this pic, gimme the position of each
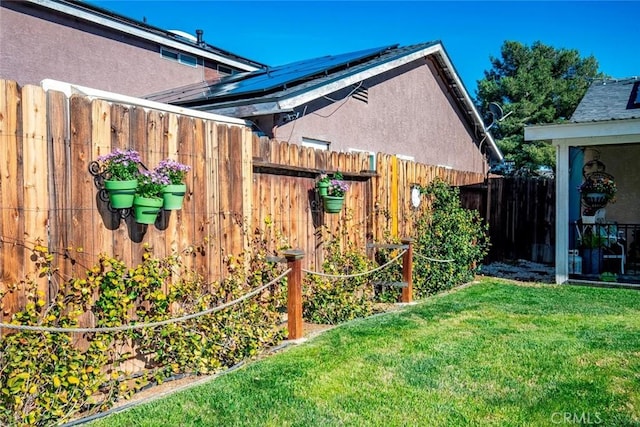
(405, 157)
(317, 144)
(182, 58)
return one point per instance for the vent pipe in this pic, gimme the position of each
(199, 37)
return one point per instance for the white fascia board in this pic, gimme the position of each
(70, 89)
(601, 129)
(470, 104)
(142, 34)
(247, 110)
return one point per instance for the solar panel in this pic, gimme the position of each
(272, 78)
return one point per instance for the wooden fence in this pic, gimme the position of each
(238, 180)
(521, 217)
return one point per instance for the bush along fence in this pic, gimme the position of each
(55, 370)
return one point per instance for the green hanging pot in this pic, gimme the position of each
(333, 204)
(173, 196)
(322, 187)
(121, 193)
(146, 209)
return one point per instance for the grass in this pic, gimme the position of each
(494, 353)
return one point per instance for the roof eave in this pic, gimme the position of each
(595, 129)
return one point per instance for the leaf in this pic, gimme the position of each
(73, 380)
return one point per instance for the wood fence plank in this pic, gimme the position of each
(59, 188)
(121, 126)
(35, 169)
(100, 145)
(11, 185)
(211, 216)
(246, 175)
(156, 150)
(138, 133)
(224, 184)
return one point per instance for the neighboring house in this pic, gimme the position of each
(408, 101)
(75, 42)
(603, 136)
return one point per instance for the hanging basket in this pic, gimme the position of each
(333, 204)
(121, 193)
(595, 199)
(146, 209)
(173, 196)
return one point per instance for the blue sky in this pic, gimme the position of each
(279, 32)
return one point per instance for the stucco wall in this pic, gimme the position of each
(621, 161)
(407, 113)
(33, 48)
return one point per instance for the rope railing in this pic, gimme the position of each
(149, 324)
(434, 259)
(348, 276)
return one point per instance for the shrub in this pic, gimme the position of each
(47, 378)
(335, 300)
(446, 231)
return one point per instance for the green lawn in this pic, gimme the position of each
(494, 353)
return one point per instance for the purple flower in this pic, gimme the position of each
(121, 165)
(337, 187)
(151, 184)
(174, 171)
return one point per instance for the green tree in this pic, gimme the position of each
(533, 85)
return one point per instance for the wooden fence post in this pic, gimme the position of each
(407, 271)
(294, 293)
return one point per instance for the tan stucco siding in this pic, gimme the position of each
(33, 49)
(407, 113)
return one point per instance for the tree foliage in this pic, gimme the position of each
(534, 85)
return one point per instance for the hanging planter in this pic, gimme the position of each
(146, 209)
(596, 199)
(323, 187)
(173, 196)
(121, 193)
(333, 204)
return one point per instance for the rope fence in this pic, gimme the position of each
(434, 259)
(348, 276)
(149, 324)
(294, 302)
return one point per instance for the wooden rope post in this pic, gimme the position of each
(407, 271)
(294, 293)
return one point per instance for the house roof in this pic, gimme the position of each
(281, 89)
(174, 39)
(609, 113)
(609, 100)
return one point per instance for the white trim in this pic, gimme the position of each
(315, 143)
(562, 214)
(128, 29)
(70, 89)
(625, 129)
